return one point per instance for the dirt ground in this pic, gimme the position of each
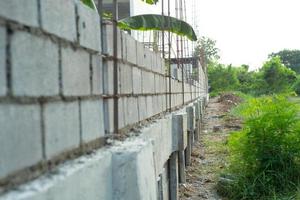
(209, 154)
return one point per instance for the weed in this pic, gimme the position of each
(265, 154)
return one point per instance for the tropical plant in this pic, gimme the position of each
(153, 22)
(158, 22)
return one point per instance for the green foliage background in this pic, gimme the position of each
(265, 155)
(274, 77)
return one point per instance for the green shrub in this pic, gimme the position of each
(265, 154)
(296, 86)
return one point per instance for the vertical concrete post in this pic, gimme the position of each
(179, 128)
(173, 170)
(190, 130)
(181, 167)
(197, 114)
(188, 150)
(160, 193)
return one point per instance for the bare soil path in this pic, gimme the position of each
(209, 154)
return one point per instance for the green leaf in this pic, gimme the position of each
(90, 3)
(151, 1)
(158, 22)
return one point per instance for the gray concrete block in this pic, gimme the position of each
(137, 80)
(88, 177)
(34, 72)
(142, 103)
(150, 109)
(108, 40)
(2, 60)
(92, 120)
(140, 54)
(24, 12)
(131, 49)
(21, 137)
(131, 107)
(61, 127)
(148, 85)
(89, 27)
(75, 72)
(58, 17)
(108, 77)
(109, 114)
(147, 63)
(126, 82)
(97, 81)
(130, 162)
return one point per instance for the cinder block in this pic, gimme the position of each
(88, 177)
(2, 61)
(140, 54)
(142, 103)
(108, 40)
(58, 17)
(131, 49)
(24, 12)
(92, 120)
(21, 137)
(148, 82)
(89, 27)
(34, 63)
(132, 113)
(61, 127)
(155, 105)
(147, 63)
(137, 80)
(150, 111)
(109, 114)
(75, 72)
(126, 83)
(108, 77)
(97, 66)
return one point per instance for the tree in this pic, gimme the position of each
(278, 78)
(206, 48)
(290, 58)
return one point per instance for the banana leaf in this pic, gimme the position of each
(90, 3)
(158, 22)
(151, 1)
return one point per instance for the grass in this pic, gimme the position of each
(264, 161)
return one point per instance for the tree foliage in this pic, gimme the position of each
(207, 47)
(290, 58)
(273, 77)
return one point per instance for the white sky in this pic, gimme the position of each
(248, 30)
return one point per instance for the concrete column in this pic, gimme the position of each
(181, 166)
(173, 170)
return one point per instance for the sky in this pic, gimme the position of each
(247, 31)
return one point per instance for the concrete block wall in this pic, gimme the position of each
(51, 91)
(56, 103)
(137, 168)
(141, 76)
